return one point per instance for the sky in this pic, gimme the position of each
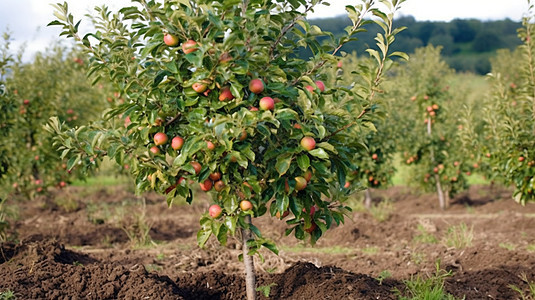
(27, 19)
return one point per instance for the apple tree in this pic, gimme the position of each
(509, 117)
(53, 84)
(425, 111)
(216, 98)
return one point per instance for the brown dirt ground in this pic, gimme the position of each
(78, 244)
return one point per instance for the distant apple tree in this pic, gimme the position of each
(215, 94)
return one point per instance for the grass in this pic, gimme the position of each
(370, 250)
(423, 236)
(530, 294)
(429, 288)
(382, 211)
(459, 236)
(508, 246)
(531, 248)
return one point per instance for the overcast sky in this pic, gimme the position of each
(27, 19)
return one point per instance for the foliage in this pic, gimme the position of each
(431, 288)
(256, 150)
(53, 84)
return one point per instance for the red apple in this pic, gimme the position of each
(170, 39)
(199, 87)
(256, 86)
(155, 150)
(196, 166)
(521, 159)
(215, 211)
(310, 88)
(210, 145)
(339, 64)
(320, 85)
(219, 185)
(308, 143)
(225, 94)
(177, 143)
(297, 126)
(266, 103)
(307, 175)
(206, 185)
(26, 102)
(284, 215)
(246, 205)
(160, 138)
(215, 176)
(189, 46)
(347, 184)
(127, 121)
(253, 108)
(300, 183)
(374, 156)
(312, 227)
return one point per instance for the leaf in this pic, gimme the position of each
(283, 163)
(319, 153)
(303, 161)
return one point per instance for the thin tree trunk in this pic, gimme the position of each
(441, 200)
(367, 199)
(250, 277)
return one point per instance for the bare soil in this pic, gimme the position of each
(80, 244)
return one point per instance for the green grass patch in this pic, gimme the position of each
(102, 181)
(426, 288)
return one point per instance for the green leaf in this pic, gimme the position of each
(303, 161)
(319, 153)
(283, 163)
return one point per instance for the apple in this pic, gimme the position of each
(266, 103)
(214, 211)
(297, 126)
(127, 121)
(189, 46)
(308, 143)
(38, 182)
(374, 156)
(196, 166)
(206, 185)
(26, 102)
(339, 64)
(243, 135)
(62, 184)
(426, 97)
(312, 227)
(300, 183)
(210, 145)
(456, 163)
(307, 175)
(170, 39)
(488, 155)
(160, 138)
(246, 205)
(320, 85)
(199, 87)
(225, 94)
(413, 98)
(215, 176)
(435, 106)
(347, 184)
(435, 169)
(310, 88)
(155, 150)
(284, 215)
(521, 158)
(256, 86)
(177, 143)
(219, 185)
(253, 108)
(429, 108)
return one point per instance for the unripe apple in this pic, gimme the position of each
(177, 143)
(308, 143)
(206, 185)
(219, 185)
(215, 211)
(320, 85)
(160, 138)
(246, 205)
(170, 39)
(225, 94)
(256, 86)
(266, 103)
(300, 183)
(196, 166)
(155, 150)
(199, 87)
(189, 46)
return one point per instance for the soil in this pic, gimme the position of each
(107, 243)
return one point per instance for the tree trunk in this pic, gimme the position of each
(250, 277)
(441, 199)
(367, 199)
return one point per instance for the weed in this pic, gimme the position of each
(370, 250)
(529, 295)
(383, 275)
(382, 211)
(7, 295)
(507, 246)
(136, 226)
(531, 248)
(459, 236)
(67, 203)
(424, 236)
(430, 288)
(160, 256)
(265, 289)
(153, 268)
(417, 257)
